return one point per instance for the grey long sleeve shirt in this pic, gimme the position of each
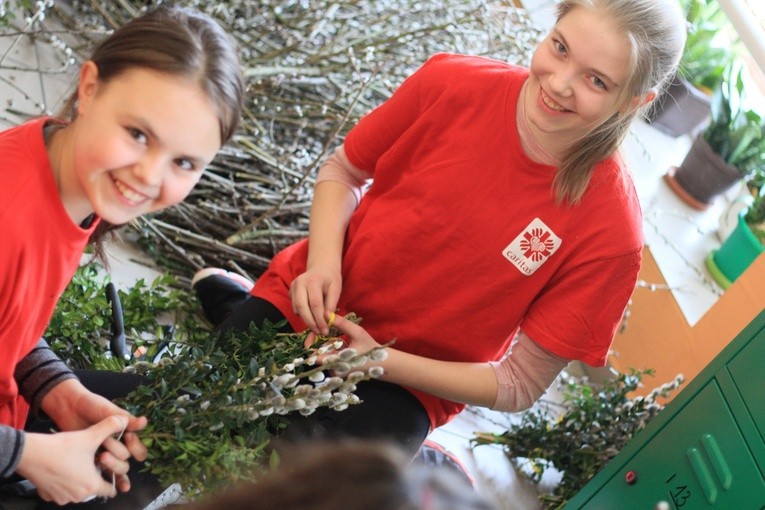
(36, 374)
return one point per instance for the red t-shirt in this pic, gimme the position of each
(459, 241)
(40, 250)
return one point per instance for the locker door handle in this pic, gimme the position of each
(722, 470)
(703, 475)
(701, 467)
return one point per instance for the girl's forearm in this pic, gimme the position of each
(333, 204)
(464, 382)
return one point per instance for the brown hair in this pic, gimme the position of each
(178, 41)
(352, 475)
(656, 32)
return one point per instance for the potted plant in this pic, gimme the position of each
(730, 149)
(744, 244)
(684, 107)
(708, 49)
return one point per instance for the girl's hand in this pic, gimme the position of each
(314, 294)
(62, 466)
(73, 407)
(356, 337)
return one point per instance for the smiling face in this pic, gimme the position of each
(576, 79)
(140, 143)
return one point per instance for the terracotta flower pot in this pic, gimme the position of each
(702, 176)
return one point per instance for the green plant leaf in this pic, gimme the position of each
(595, 423)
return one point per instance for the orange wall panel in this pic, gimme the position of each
(657, 335)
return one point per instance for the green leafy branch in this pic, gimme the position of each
(81, 324)
(214, 407)
(214, 402)
(596, 422)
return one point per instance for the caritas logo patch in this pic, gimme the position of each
(532, 247)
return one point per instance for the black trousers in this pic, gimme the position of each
(387, 411)
(144, 486)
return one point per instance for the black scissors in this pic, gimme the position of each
(117, 344)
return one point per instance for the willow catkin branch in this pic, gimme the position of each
(177, 249)
(204, 240)
(247, 230)
(98, 6)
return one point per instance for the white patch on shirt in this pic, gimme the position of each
(532, 247)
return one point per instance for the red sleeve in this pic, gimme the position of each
(377, 131)
(577, 315)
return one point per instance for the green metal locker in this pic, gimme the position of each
(706, 449)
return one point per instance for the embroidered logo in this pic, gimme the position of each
(532, 247)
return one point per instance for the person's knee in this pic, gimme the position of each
(220, 296)
(254, 310)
